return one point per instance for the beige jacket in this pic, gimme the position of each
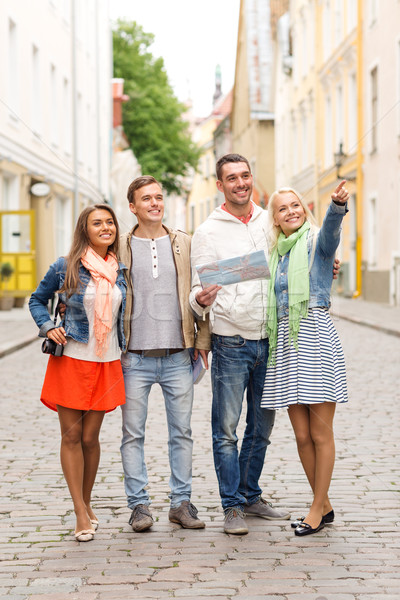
(195, 332)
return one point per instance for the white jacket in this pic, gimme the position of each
(239, 309)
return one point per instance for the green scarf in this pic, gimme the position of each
(298, 283)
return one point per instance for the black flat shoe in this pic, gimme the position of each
(328, 518)
(297, 522)
(306, 529)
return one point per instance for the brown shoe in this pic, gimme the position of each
(186, 515)
(141, 518)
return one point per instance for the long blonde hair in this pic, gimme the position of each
(80, 242)
(274, 230)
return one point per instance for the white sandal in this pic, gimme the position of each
(86, 535)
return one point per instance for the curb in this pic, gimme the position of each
(17, 346)
(369, 324)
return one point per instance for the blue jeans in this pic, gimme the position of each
(174, 374)
(239, 365)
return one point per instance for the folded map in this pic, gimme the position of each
(234, 270)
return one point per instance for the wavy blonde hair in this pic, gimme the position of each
(274, 230)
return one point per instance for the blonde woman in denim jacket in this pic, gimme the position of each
(306, 371)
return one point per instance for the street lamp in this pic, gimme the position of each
(339, 160)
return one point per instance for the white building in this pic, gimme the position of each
(381, 149)
(55, 121)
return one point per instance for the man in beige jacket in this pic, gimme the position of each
(159, 329)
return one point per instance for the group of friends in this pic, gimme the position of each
(272, 342)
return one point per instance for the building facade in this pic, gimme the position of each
(317, 120)
(55, 126)
(381, 151)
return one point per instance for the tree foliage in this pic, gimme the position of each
(152, 117)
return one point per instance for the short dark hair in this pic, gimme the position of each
(138, 183)
(229, 158)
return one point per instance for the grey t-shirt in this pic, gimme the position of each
(156, 317)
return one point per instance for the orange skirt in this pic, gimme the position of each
(83, 385)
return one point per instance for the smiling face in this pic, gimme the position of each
(236, 183)
(289, 213)
(101, 230)
(148, 205)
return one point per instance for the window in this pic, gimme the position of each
(312, 129)
(305, 42)
(398, 87)
(66, 119)
(304, 141)
(192, 214)
(351, 15)
(374, 109)
(80, 127)
(352, 140)
(328, 158)
(295, 161)
(63, 228)
(326, 29)
(10, 193)
(311, 47)
(54, 107)
(373, 11)
(372, 233)
(206, 166)
(338, 21)
(13, 98)
(36, 87)
(339, 116)
(201, 211)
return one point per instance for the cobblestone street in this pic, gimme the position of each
(357, 557)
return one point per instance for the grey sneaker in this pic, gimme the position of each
(186, 515)
(141, 518)
(234, 521)
(264, 510)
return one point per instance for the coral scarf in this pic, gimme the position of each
(104, 274)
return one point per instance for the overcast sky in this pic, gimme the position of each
(193, 38)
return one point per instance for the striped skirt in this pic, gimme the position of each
(313, 374)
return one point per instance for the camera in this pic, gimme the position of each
(50, 347)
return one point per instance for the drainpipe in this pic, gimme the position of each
(359, 179)
(74, 113)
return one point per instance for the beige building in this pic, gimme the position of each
(204, 196)
(253, 110)
(316, 114)
(338, 127)
(55, 124)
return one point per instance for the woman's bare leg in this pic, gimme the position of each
(321, 429)
(300, 417)
(92, 422)
(72, 461)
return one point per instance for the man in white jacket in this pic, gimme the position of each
(239, 345)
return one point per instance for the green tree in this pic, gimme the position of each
(152, 117)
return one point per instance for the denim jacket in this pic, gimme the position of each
(75, 321)
(321, 262)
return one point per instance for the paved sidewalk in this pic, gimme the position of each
(355, 558)
(17, 328)
(377, 316)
